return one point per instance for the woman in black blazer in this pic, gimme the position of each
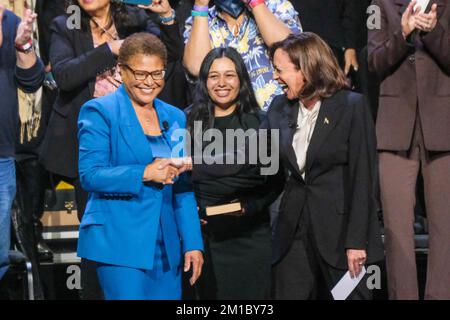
(327, 222)
(83, 56)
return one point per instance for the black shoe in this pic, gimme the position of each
(44, 252)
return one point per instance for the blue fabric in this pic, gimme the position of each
(121, 221)
(7, 194)
(12, 77)
(123, 283)
(160, 283)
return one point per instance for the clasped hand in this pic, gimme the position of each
(166, 170)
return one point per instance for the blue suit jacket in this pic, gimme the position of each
(122, 216)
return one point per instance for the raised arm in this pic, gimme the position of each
(197, 41)
(29, 71)
(275, 25)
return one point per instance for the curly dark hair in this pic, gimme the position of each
(119, 12)
(142, 43)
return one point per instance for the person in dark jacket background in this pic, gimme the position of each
(19, 67)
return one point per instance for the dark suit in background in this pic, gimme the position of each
(413, 133)
(335, 21)
(333, 208)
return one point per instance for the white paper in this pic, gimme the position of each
(423, 5)
(346, 285)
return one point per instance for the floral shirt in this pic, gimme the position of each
(250, 44)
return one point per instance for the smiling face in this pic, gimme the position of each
(288, 76)
(91, 6)
(223, 83)
(142, 92)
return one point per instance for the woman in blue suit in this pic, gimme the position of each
(140, 217)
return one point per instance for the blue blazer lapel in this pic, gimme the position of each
(131, 128)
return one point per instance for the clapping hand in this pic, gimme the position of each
(409, 19)
(427, 21)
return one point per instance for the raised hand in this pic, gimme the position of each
(25, 28)
(161, 7)
(203, 3)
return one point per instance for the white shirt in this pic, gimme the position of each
(306, 121)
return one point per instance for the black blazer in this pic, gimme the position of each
(338, 191)
(76, 64)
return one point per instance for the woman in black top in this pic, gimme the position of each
(237, 245)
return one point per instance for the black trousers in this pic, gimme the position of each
(90, 287)
(32, 180)
(304, 275)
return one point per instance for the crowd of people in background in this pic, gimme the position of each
(93, 96)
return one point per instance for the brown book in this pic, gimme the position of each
(223, 209)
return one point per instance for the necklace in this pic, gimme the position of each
(113, 37)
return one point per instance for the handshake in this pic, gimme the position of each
(166, 170)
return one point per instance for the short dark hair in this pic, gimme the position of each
(310, 54)
(203, 107)
(142, 43)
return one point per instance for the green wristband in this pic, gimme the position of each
(199, 13)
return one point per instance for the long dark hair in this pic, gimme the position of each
(119, 12)
(203, 106)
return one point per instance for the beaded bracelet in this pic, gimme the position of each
(168, 19)
(199, 13)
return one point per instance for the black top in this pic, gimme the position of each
(218, 184)
(336, 21)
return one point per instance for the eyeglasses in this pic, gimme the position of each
(141, 75)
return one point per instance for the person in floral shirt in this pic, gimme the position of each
(249, 27)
